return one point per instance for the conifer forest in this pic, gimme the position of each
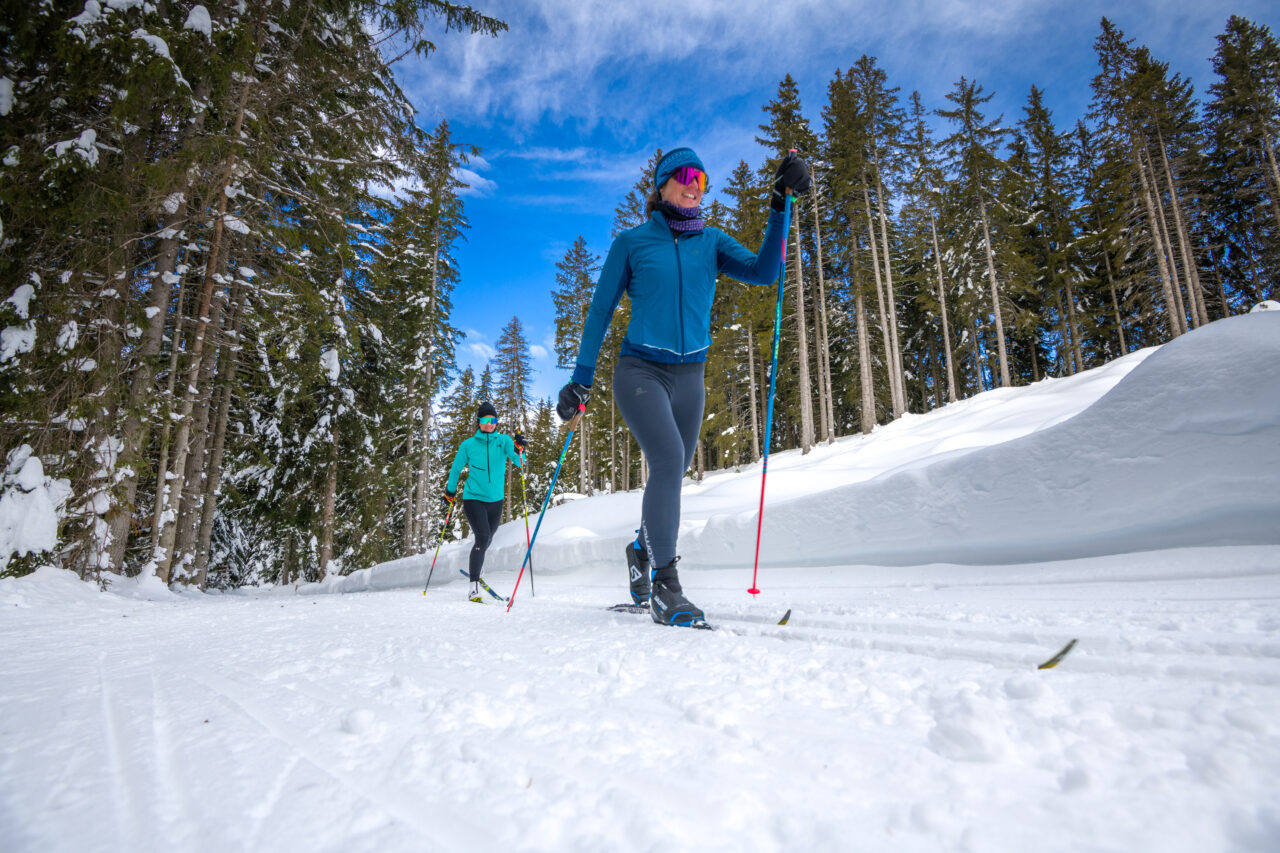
(230, 346)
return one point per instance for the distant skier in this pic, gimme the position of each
(485, 456)
(668, 267)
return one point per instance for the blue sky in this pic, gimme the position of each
(571, 102)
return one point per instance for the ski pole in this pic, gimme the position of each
(447, 516)
(524, 500)
(773, 377)
(573, 424)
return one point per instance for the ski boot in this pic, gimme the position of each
(638, 567)
(667, 604)
(475, 594)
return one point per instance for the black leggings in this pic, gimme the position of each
(662, 404)
(484, 518)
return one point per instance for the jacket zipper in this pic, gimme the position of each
(675, 244)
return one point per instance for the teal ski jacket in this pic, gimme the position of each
(485, 455)
(671, 279)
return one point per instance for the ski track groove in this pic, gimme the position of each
(1092, 655)
(447, 833)
(113, 737)
(266, 810)
(172, 791)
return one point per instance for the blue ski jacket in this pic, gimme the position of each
(671, 279)
(485, 454)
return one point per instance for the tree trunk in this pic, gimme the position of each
(1115, 299)
(1176, 322)
(895, 364)
(894, 391)
(164, 487)
(134, 433)
(231, 357)
(806, 386)
(942, 302)
(1175, 276)
(190, 393)
(410, 480)
(864, 347)
(196, 479)
(755, 406)
(1199, 315)
(824, 343)
(895, 400)
(327, 519)
(995, 294)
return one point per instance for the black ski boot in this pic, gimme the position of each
(667, 604)
(638, 567)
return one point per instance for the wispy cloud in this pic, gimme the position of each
(480, 350)
(652, 69)
(475, 185)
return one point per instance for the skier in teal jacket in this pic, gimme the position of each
(485, 456)
(668, 266)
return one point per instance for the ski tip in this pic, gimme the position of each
(1057, 659)
(785, 617)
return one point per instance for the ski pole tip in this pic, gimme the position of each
(754, 591)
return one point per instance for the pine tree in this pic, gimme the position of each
(1052, 231)
(1243, 122)
(974, 154)
(923, 188)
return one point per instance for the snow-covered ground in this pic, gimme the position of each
(929, 568)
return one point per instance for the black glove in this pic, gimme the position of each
(572, 396)
(792, 175)
(447, 499)
(518, 440)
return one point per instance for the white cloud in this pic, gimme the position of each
(599, 61)
(538, 351)
(652, 70)
(475, 185)
(480, 350)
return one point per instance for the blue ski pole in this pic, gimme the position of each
(573, 424)
(773, 381)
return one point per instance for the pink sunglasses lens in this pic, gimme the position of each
(687, 175)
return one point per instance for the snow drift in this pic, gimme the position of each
(1110, 480)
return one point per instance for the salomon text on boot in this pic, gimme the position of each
(638, 568)
(667, 604)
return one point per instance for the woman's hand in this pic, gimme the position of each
(572, 397)
(792, 177)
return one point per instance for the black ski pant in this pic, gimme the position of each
(484, 518)
(662, 404)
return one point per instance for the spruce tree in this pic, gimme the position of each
(974, 153)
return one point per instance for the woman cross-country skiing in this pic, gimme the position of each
(485, 455)
(668, 267)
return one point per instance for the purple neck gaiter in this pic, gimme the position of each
(681, 218)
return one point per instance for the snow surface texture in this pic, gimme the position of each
(900, 709)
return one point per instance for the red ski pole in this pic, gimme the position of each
(773, 377)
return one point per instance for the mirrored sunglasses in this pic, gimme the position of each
(687, 175)
(487, 420)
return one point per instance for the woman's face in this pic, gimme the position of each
(488, 427)
(681, 195)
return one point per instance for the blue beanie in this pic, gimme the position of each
(672, 160)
